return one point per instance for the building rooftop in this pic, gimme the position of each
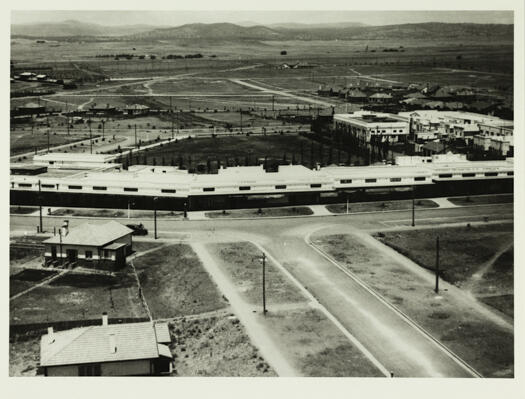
(104, 343)
(92, 234)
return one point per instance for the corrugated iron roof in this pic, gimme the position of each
(92, 344)
(92, 234)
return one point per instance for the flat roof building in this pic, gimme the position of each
(365, 124)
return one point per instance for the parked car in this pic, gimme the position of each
(138, 229)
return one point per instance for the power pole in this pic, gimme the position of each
(135, 136)
(155, 215)
(436, 289)
(90, 138)
(48, 140)
(40, 207)
(103, 123)
(413, 205)
(240, 110)
(264, 282)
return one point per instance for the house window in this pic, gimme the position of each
(130, 189)
(280, 187)
(244, 188)
(168, 190)
(89, 370)
(208, 189)
(75, 187)
(101, 188)
(445, 175)
(315, 185)
(491, 174)
(468, 174)
(370, 180)
(106, 254)
(395, 179)
(89, 255)
(346, 181)
(48, 186)
(24, 185)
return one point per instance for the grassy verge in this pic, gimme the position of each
(483, 199)
(22, 210)
(480, 342)
(78, 297)
(264, 212)
(113, 213)
(174, 282)
(217, 347)
(315, 344)
(26, 142)
(380, 206)
(26, 279)
(242, 262)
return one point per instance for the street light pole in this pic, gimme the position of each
(155, 215)
(135, 136)
(264, 282)
(413, 206)
(40, 207)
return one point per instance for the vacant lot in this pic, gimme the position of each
(483, 199)
(174, 282)
(380, 206)
(215, 347)
(27, 278)
(76, 296)
(264, 212)
(486, 346)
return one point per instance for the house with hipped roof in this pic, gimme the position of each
(130, 349)
(101, 246)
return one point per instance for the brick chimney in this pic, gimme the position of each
(51, 335)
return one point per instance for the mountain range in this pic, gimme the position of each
(291, 31)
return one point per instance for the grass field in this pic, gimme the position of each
(265, 212)
(380, 206)
(174, 283)
(78, 297)
(216, 346)
(482, 199)
(26, 142)
(240, 150)
(25, 279)
(483, 344)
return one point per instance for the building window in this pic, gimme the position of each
(280, 187)
(25, 185)
(89, 255)
(370, 180)
(168, 190)
(510, 173)
(89, 370)
(48, 186)
(445, 175)
(468, 174)
(395, 179)
(106, 254)
(130, 189)
(101, 188)
(346, 181)
(244, 188)
(75, 187)
(208, 189)
(491, 174)
(315, 185)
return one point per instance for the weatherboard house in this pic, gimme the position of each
(131, 349)
(101, 246)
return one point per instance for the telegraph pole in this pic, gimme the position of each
(40, 207)
(436, 289)
(155, 215)
(264, 282)
(48, 140)
(135, 135)
(413, 206)
(240, 110)
(103, 123)
(90, 138)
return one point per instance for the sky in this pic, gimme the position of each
(175, 18)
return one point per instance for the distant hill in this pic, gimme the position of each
(219, 31)
(75, 28)
(232, 32)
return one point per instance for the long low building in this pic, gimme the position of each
(165, 187)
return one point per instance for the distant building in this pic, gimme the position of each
(26, 75)
(132, 349)
(31, 109)
(137, 109)
(101, 246)
(356, 96)
(103, 110)
(432, 148)
(73, 160)
(365, 124)
(380, 98)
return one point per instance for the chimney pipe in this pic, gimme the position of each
(104, 319)
(51, 335)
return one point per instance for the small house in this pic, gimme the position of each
(100, 246)
(131, 349)
(137, 109)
